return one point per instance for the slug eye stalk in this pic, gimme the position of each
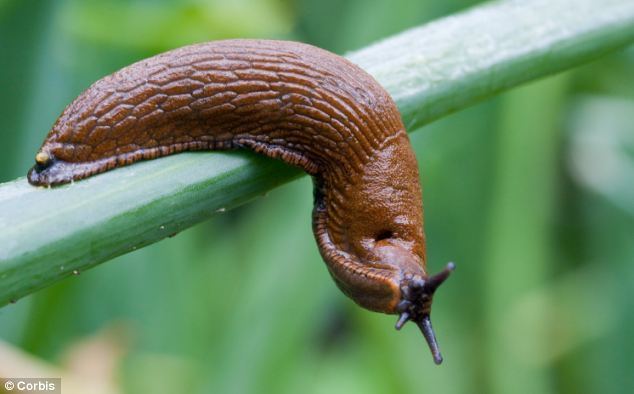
(416, 306)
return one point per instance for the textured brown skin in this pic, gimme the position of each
(286, 100)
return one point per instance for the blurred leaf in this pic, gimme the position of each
(519, 231)
(158, 26)
(602, 152)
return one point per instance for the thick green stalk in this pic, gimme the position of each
(518, 251)
(431, 71)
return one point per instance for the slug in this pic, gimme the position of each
(286, 100)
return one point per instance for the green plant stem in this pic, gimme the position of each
(433, 70)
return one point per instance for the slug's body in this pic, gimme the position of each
(286, 100)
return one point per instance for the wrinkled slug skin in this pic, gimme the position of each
(286, 100)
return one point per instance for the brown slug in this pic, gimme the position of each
(286, 100)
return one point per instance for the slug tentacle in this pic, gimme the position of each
(286, 100)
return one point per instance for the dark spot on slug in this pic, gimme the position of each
(385, 234)
(286, 100)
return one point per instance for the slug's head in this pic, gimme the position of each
(411, 290)
(417, 294)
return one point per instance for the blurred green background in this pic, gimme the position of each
(531, 193)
